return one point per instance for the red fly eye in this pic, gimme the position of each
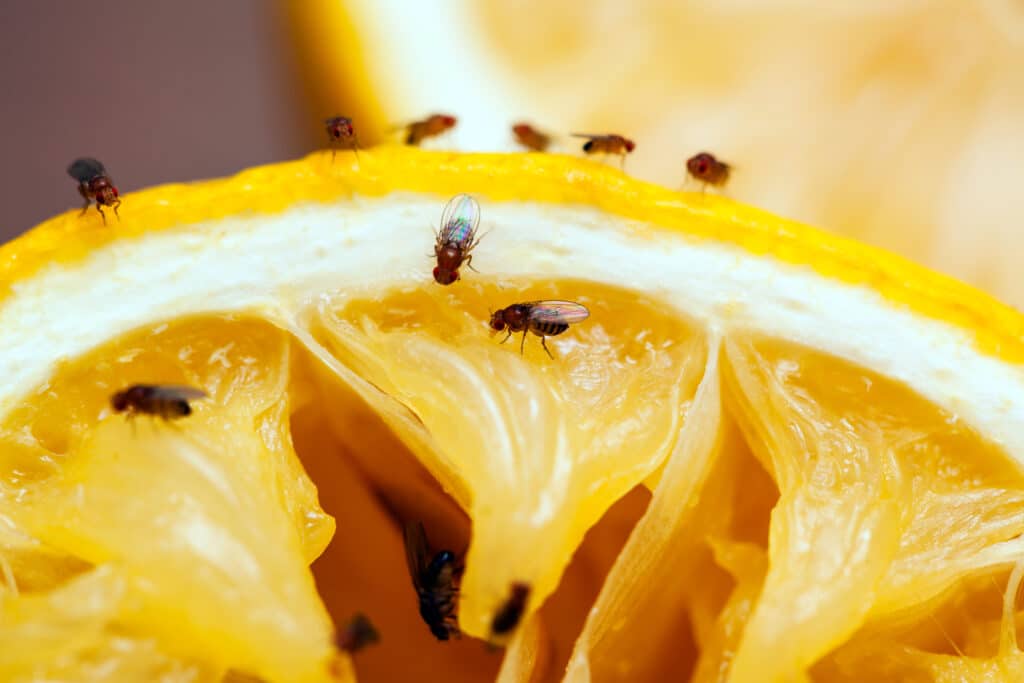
(445, 277)
(449, 120)
(630, 145)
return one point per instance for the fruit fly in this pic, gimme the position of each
(167, 401)
(357, 634)
(511, 611)
(705, 168)
(543, 318)
(434, 578)
(435, 124)
(341, 133)
(531, 138)
(607, 144)
(94, 185)
(456, 238)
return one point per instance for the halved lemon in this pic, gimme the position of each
(768, 454)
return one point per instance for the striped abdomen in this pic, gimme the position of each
(546, 329)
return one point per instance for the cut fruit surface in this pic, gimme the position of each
(831, 438)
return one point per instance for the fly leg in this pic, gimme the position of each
(522, 344)
(546, 350)
(506, 337)
(115, 205)
(469, 263)
(102, 215)
(85, 196)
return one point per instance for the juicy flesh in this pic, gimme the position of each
(682, 504)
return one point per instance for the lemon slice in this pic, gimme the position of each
(810, 416)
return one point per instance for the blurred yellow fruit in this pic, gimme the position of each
(897, 123)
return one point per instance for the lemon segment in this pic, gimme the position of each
(220, 499)
(648, 581)
(544, 446)
(68, 635)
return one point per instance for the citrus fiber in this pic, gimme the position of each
(768, 454)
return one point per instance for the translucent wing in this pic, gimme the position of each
(558, 312)
(592, 136)
(460, 220)
(85, 169)
(415, 550)
(178, 391)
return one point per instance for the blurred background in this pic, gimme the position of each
(158, 91)
(899, 122)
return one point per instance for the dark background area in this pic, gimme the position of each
(159, 92)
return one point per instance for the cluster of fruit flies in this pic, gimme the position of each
(453, 248)
(435, 575)
(96, 186)
(703, 167)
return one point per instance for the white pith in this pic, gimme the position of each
(277, 264)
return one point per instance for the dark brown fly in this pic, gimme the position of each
(607, 144)
(166, 401)
(708, 170)
(511, 611)
(457, 238)
(531, 138)
(417, 131)
(543, 318)
(435, 578)
(357, 634)
(342, 134)
(95, 185)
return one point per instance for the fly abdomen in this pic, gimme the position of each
(546, 329)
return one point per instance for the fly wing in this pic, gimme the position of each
(592, 136)
(415, 551)
(460, 220)
(558, 312)
(178, 391)
(85, 169)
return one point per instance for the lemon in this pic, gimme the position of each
(893, 123)
(768, 454)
